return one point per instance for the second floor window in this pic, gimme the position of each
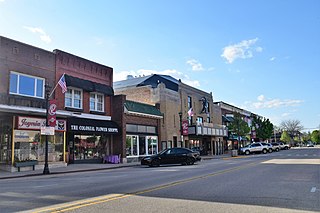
(73, 98)
(26, 85)
(96, 102)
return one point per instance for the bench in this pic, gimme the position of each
(25, 164)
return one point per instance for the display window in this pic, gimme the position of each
(141, 145)
(30, 145)
(88, 147)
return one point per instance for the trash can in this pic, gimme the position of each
(234, 153)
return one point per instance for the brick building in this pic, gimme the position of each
(87, 105)
(175, 99)
(25, 71)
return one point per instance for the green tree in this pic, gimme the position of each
(238, 126)
(315, 136)
(306, 136)
(285, 137)
(263, 127)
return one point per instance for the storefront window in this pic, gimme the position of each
(152, 145)
(131, 145)
(147, 145)
(142, 145)
(87, 147)
(30, 145)
(5, 144)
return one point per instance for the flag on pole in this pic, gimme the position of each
(190, 112)
(62, 83)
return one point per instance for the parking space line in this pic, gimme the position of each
(313, 189)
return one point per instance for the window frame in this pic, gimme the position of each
(35, 78)
(73, 89)
(96, 94)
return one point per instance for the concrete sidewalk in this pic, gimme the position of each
(72, 168)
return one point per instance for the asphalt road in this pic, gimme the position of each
(285, 181)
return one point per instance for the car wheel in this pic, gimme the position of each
(247, 152)
(264, 151)
(270, 150)
(155, 162)
(277, 149)
(189, 161)
(286, 148)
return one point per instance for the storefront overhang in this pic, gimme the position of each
(91, 126)
(39, 111)
(88, 85)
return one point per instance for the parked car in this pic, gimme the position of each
(275, 146)
(310, 145)
(270, 148)
(172, 156)
(284, 146)
(254, 148)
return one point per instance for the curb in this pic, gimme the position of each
(67, 172)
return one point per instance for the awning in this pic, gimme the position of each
(88, 85)
(91, 126)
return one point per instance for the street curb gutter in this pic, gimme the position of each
(67, 172)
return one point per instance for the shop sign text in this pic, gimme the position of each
(93, 128)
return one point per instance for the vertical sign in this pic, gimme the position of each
(52, 113)
(185, 126)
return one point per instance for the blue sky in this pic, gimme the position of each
(263, 56)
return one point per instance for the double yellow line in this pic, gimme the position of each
(106, 198)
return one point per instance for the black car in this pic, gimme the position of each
(172, 156)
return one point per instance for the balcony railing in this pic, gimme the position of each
(208, 129)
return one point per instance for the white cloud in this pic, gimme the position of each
(286, 114)
(144, 72)
(260, 98)
(43, 35)
(243, 50)
(196, 66)
(272, 59)
(274, 103)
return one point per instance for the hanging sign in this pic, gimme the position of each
(52, 113)
(185, 126)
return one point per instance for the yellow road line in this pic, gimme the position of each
(107, 198)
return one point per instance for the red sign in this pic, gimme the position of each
(52, 113)
(185, 125)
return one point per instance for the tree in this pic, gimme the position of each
(315, 136)
(238, 126)
(285, 137)
(291, 126)
(263, 128)
(306, 136)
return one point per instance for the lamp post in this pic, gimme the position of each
(181, 134)
(46, 166)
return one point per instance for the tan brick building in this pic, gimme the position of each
(175, 99)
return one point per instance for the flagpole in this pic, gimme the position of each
(55, 86)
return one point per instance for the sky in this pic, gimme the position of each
(261, 56)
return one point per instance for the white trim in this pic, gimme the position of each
(143, 114)
(73, 89)
(63, 113)
(96, 94)
(34, 86)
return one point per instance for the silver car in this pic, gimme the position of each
(254, 148)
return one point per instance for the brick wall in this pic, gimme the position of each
(84, 69)
(26, 59)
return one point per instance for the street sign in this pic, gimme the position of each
(47, 130)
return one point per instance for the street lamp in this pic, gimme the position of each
(181, 134)
(46, 166)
